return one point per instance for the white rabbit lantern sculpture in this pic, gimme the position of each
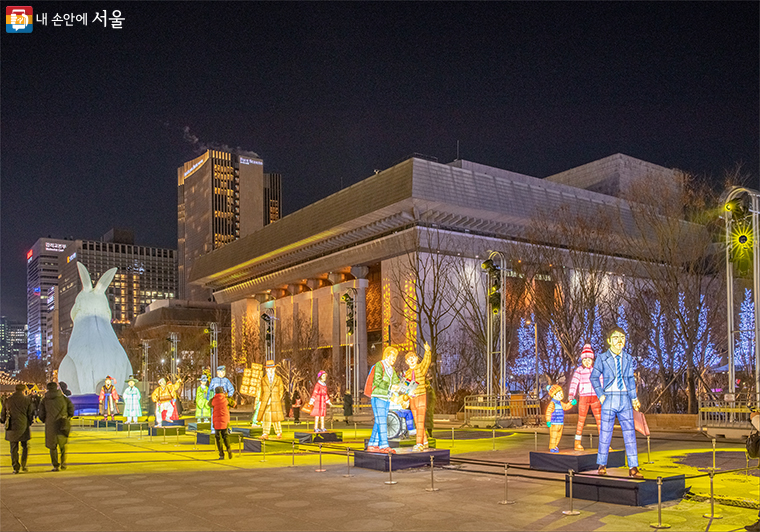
(94, 350)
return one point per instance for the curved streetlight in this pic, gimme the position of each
(727, 198)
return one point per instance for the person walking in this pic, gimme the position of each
(18, 414)
(56, 411)
(220, 416)
(348, 406)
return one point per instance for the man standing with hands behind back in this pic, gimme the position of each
(618, 398)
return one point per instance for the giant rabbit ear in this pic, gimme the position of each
(105, 280)
(84, 275)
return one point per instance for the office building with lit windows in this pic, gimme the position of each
(42, 262)
(222, 195)
(13, 345)
(145, 274)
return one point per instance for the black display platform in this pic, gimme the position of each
(616, 487)
(403, 459)
(248, 431)
(132, 427)
(578, 461)
(206, 438)
(395, 444)
(195, 427)
(168, 430)
(317, 437)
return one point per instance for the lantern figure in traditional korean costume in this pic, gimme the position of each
(108, 399)
(132, 398)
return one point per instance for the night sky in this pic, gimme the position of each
(94, 119)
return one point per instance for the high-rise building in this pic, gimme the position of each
(272, 197)
(41, 274)
(145, 274)
(12, 345)
(222, 195)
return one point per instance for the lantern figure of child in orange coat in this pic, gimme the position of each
(555, 415)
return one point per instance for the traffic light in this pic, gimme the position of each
(494, 285)
(349, 313)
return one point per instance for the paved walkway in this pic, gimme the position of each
(118, 484)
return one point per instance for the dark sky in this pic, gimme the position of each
(93, 118)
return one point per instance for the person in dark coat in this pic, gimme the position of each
(64, 388)
(287, 402)
(56, 411)
(35, 398)
(18, 413)
(296, 407)
(348, 405)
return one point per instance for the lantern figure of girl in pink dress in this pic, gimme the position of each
(319, 401)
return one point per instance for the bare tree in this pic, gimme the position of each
(573, 284)
(670, 227)
(473, 311)
(425, 277)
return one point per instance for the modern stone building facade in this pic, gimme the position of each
(356, 238)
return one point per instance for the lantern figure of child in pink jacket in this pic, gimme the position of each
(320, 399)
(581, 382)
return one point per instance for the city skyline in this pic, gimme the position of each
(94, 131)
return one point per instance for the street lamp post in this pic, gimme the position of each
(495, 309)
(269, 334)
(352, 351)
(173, 358)
(213, 332)
(728, 196)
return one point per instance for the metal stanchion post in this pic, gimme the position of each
(659, 523)
(348, 463)
(129, 430)
(432, 478)
(452, 437)
(150, 431)
(591, 441)
(263, 450)
(649, 459)
(746, 470)
(712, 514)
(390, 470)
(506, 486)
(331, 424)
(293, 453)
(714, 468)
(354, 430)
(164, 442)
(320, 470)
(493, 438)
(535, 440)
(571, 511)
(240, 446)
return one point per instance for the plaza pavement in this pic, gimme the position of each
(115, 482)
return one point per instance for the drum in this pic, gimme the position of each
(396, 426)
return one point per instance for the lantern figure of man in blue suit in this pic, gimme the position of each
(618, 398)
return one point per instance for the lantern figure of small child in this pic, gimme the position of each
(555, 415)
